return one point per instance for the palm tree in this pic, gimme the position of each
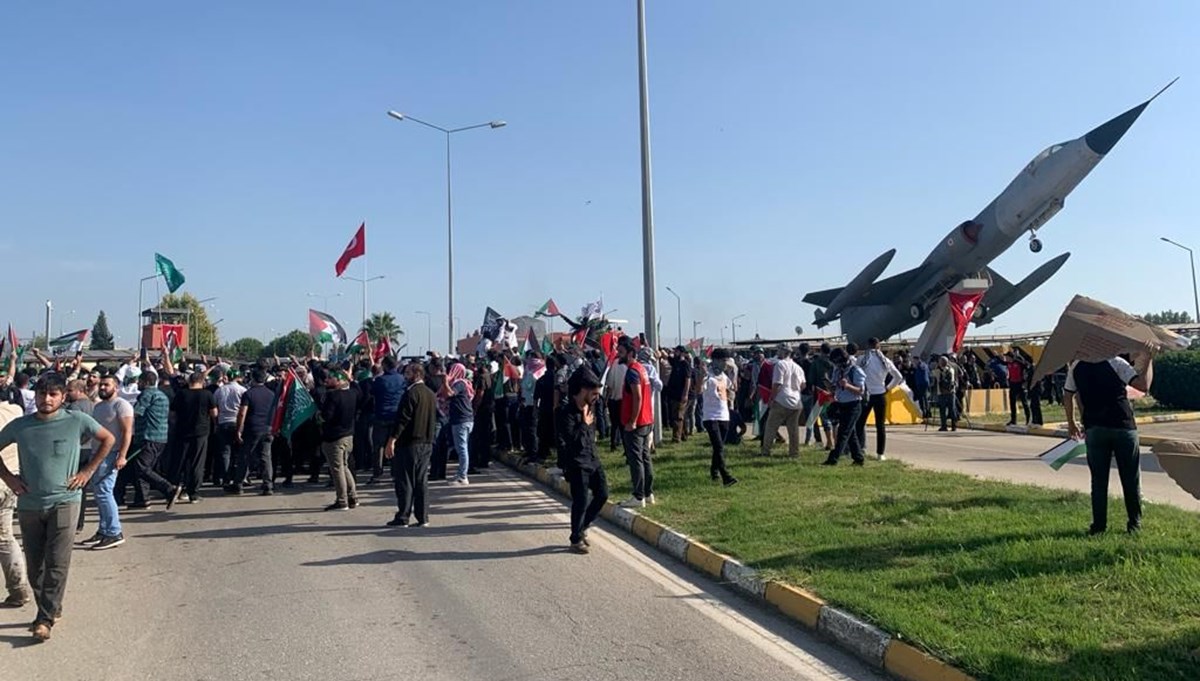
(383, 324)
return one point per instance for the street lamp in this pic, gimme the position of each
(428, 329)
(212, 335)
(678, 316)
(324, 298)
(449, 210)
(61, 320)
(695, 325)
(364, 283)
(1192, 258)
(734, 326)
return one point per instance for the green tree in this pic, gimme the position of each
(202, 331)
(102, 338)
(242, 348)
(1168, 317)
(383, 324)
(294, 342)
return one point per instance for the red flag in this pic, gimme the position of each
(608, 345)
(708, 351)
(382, 349)
(963, 306)
(580, 337)
(281, 401)
(357, 247)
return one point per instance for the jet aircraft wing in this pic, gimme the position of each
(999, 288)
(882, 292)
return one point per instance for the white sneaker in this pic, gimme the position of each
(882, 457)
(651, 500)
(633, 502)
(458, 481)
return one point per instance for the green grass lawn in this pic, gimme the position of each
(1054, 413)
(998, 579)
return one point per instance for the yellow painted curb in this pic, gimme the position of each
(543, 475)
(609, 509)
(911, 664)
(799, 605)
(705, 559)
(564, 487)
(647, 529)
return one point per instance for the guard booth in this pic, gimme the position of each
(160, 322)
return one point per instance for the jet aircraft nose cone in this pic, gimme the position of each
(1105, 137)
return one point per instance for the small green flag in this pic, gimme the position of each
(166, 269)
(300, 408)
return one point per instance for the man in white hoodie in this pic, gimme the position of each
(12, 559)
(879, 369)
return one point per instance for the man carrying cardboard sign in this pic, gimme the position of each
(1091, 337)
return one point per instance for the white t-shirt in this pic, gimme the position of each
(790, 379)
(715, 399)
(229, 399)
(109, 413)
(29, 398)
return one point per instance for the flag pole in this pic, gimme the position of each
(364, 283)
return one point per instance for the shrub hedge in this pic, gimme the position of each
(1177, 379)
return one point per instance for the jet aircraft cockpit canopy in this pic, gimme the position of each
(1046, 153)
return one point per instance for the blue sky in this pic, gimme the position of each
(793, 142)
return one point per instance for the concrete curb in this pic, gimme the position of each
(864, 640)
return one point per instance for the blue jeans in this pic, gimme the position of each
(102, 485)
(460, 434)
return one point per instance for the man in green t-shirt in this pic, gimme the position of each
(48, 490)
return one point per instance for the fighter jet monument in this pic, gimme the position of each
(869, 308)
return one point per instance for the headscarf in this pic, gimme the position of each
(456, 375)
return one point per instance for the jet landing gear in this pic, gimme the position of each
(1035, 244)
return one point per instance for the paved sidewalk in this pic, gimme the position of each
(1003, 456)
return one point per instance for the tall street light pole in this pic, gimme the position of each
(733, 325)
(678, 317)
(1192, 258)
(695, 325)
(364, 283)
(428, 329)
(449, 212)
(651, 313)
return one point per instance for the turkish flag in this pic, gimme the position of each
(382, 349)
(963, 306)
(357, 247)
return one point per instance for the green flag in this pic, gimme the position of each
(300, 408)
(547, 346)
(166, 269)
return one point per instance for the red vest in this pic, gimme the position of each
(645, 415)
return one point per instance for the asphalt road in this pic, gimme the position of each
(1004, 456)
(273, 588)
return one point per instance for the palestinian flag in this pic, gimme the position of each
(1061, 454)
(547, 310)
(13, 346)
(580, 337)
(325, 329)
(823, 398)
(167, 270)
(69, 342)
(382, 349)
(531, 342)
(362, 343)
(293, 406)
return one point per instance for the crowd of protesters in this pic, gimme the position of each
(175, 433)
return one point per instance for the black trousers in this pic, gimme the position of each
(583, 512)
(442, 446)
(504, 439)
(255, 447)
(481, 439)
(716, 437)
(222, 454)
(876, 404)
(190, 457)
(614, 423)
(410, 477)
(1016, 393)
(847, 435)
(529, 433)
(143, 474)
(545, 432)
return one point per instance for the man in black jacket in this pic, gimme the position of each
(410, 447)
(576, 432)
